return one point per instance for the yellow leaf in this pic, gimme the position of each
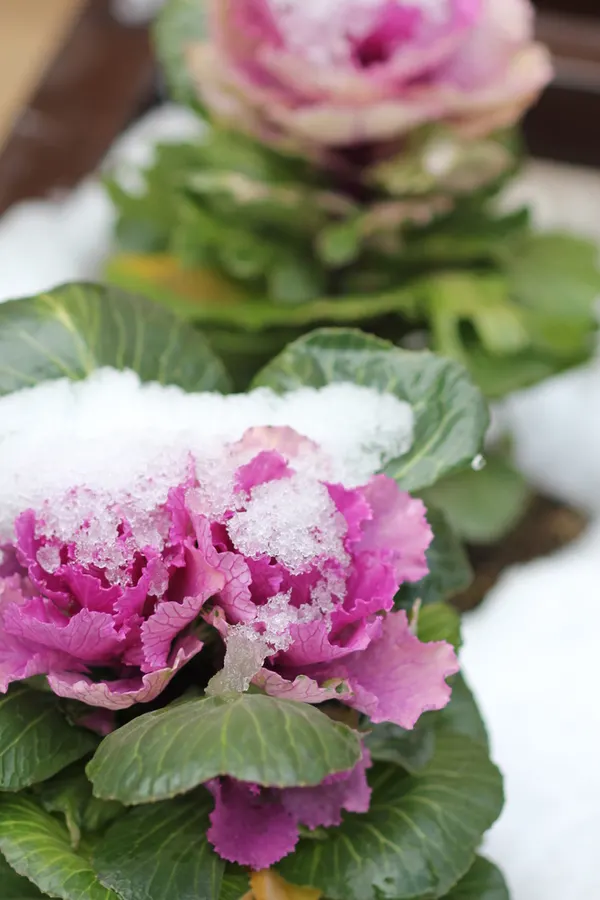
(268, 885)
(164, 275)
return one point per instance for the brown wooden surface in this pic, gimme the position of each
(97, 83)
(31, 34)
(571, 7)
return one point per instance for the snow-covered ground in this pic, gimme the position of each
(532, 652)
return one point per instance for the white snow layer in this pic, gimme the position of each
(44, 243)
(119, 439)
(531, 652)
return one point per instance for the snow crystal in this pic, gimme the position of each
(123, 445)
(49, 558)
(293, 519)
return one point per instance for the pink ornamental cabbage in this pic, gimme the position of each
(323, 74)
(297, 572)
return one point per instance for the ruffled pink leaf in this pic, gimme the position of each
(88, 636)
(316, 79)
(312, 642)
(169, 620)
(124, 692)
(397, 678)
(234, 594)
(285, 441)
(353, 505)
(398, 527)
(301, 688)
(20, 659)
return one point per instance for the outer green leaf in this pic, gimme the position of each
(450, 413)
(235, 884)
(100, 813)
(160, 852)
(439, 622)
(14, 887)
(38, 846)
(36, 740)
(461, 716)
(482, 506)
(197, 295)
(449, 567)
(419, 836)
(498, 376)
(557, 274)
(411, 750)
(70, 795)
(483, 881)
(179, 23)
(249, 736)
(75, 329)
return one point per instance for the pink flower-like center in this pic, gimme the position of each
(361, 33)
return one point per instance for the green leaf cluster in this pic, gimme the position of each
(294, 249)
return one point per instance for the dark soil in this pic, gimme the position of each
(547, 526)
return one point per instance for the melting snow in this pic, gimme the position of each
(127, 444)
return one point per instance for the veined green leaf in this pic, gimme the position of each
(439, 622)
(15, 887)
(557, 274)
(250, 737)
(482, 506)
(235, 884)
(160, 852)
(38, 846)
(450, 414)
(483, 881)
(74, 329)
(36, 740)
(419, 836)
(412, 750)
(70, 794)
(461, 716)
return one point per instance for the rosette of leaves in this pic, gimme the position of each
(125, 817)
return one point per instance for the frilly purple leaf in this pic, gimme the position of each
(257, 827)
